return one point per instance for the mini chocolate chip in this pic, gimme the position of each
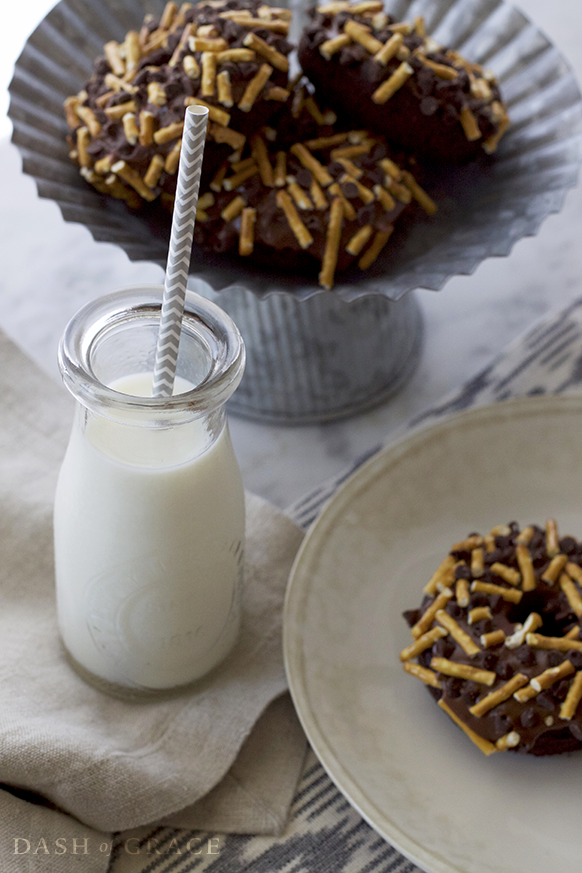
(429, 105)
(568, 545)
(524, 655)
(529, 717)
(471, 692)
(303, 177)
(488, 660)
(365, 215)
(484, 627)
(554, 658)
(443, 648)
(504, 670)
(462, 572)
(453, 688)
(350, 190)
(575, 730)
(575, 658)
(502, 722)
(479, 599)
(454, 610)
(544, 699)
(560, 690)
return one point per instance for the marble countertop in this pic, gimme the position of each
(50, 268)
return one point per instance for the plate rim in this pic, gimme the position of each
(296, 589)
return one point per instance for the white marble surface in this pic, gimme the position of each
(49, 268)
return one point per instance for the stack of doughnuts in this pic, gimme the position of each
(497, 639)
(308, 174)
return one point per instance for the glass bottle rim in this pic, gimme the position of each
(201, 318)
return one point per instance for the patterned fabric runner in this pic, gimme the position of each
(325, 834)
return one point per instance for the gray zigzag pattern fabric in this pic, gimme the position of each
(325, 835)
(180, 250)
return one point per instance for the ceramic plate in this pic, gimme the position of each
(406, 768)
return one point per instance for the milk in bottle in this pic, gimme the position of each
(149, 509)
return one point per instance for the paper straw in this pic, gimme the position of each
(191, 154)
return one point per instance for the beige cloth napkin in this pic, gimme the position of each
(225, 756)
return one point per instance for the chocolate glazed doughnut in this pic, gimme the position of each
(498, 642)
(393, 79)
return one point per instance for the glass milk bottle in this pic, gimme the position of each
(149, 508)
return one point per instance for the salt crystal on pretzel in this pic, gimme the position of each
(378, 243)
(129, 175)
(214, 113)
(331, 46)
(167, 134)
(517, 638)
(508, 741)
(458, 634)
(154, 171)
(361, 34)
(254, 87)
(389, 49)
(130, 128)
(191, 67)
(494, 638)
(274, 57)
(332, 241)
(427, 618)
(173, 158)
(299, 230)
(552, 675)
(443, 573)
(572, 594)
(508, 574)
(573, 698)
(234, 208)
(246, 240)
(260, 154)
(232, 182)
(478, 614)
(222, 134)
(88, 116)
(500, 695)
(83, 140)
(429, 677)
(511, 594)
(310, 163)
(559, 644)
(486, 747)
(477, 565)
(463, 671)
(419, 193)
(554, 569)
(113, 57)
(462, 594)
(357, 243)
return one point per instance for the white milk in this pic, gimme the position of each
(149, 531)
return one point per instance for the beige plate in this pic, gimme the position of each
(406, 768)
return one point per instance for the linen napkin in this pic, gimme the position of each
(226, 755)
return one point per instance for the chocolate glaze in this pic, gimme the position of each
(423, 116)
(530, 719)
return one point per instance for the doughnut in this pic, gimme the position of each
(393, 79)
(309, 196)
(497, 639)
(126, 123)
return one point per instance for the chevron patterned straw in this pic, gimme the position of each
(183, 219)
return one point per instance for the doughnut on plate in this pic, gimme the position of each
(395, 755)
